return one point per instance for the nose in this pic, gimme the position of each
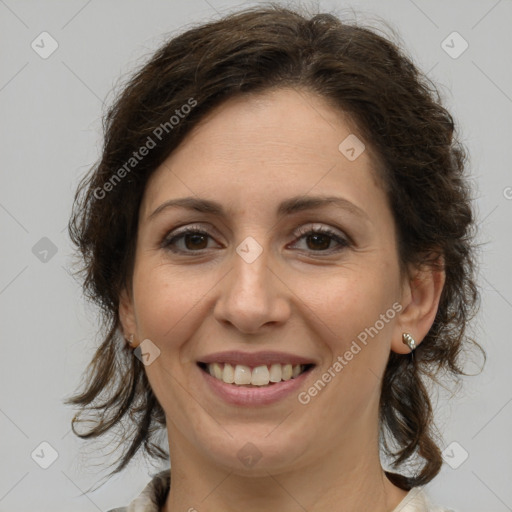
(252, 295)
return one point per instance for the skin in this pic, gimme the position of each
(298, 296)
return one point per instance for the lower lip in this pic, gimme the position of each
(250, 396)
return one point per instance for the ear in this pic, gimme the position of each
(421, 292)
(127, 315)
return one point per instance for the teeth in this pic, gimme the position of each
(287, 372)
(242, 374)
(228, 375)
(275, 373)
(217, 370)
(259, 376)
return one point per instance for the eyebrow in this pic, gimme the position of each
(287, 207)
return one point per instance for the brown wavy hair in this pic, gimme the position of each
(397, 111)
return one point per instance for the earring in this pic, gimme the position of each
(408, 340)
(130, 340)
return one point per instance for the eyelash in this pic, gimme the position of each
(168, 242)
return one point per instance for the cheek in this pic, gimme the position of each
(357, 307)
(164, 301)
(350, 301)
(167, 303)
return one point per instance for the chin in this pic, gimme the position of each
(256, 454)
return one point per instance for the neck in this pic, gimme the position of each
(346, 479)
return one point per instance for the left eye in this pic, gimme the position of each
(320, 239)
(317, 240)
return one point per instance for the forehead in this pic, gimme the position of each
(295, 121)
(264, 147)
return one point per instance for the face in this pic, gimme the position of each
(267, 278)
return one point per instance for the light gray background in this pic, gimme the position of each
(51, 134)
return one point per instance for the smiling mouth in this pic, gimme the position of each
(258, 376)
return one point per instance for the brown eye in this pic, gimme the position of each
(195, 240)
(320, 239)
(192, 240)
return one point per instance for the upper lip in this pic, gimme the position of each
(253, 359)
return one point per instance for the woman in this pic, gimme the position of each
(279, 233)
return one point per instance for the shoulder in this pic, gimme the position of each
(417, 500)
(152, 497)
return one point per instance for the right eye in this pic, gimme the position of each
(191, 239)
